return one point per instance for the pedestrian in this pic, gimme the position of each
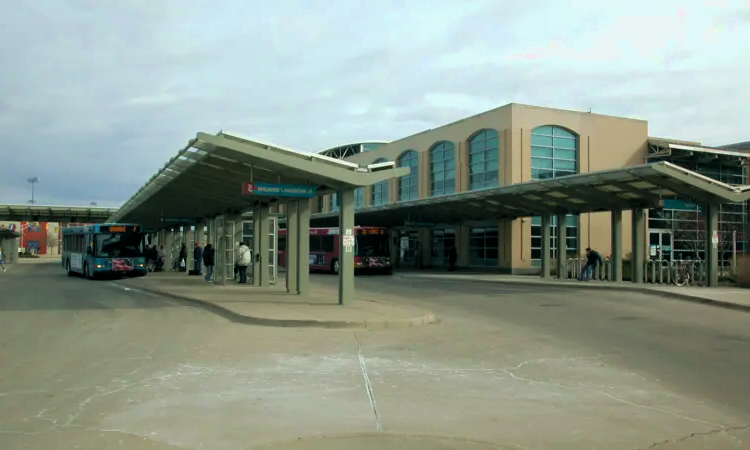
(593, 258)
(208, 261)
(182, 258)
(2, 261)
(244, 258)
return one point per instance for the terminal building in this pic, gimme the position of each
(517, 143)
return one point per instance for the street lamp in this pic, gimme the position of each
(33, 181)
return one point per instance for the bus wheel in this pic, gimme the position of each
(67, 267)
(335, 266)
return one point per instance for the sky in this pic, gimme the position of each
(102, 94)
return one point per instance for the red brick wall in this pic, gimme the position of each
(37, 232)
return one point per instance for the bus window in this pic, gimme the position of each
(119, 245)
(315, 244)
(372, 245)
(326, 243)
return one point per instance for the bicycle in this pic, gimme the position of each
(682, 274)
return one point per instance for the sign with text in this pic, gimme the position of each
(118, 228)
(279, 190)
(348, 241)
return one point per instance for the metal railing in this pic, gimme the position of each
(658, 271)
(602, 272)
(689, 272)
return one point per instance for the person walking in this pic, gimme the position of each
(208, 261)
(198, 257)
(593, 258)
(244, 258)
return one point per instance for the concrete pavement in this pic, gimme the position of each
(274, 307)
(726, 296)
(87, 365)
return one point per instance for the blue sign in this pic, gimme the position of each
(681, 205)
(279, 190)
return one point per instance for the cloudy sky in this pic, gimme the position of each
(95, 96)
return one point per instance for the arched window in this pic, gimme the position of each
(379, 191)
(442, 168)
(554, 153)
(408, 185)
(484, 155)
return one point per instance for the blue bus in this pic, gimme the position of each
(104, 249)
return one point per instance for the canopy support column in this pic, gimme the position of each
(293, 263)
(562, 246)
(303, 247)
(639, 245)
(616, 226)
(346, 252)
(546, 247)
(711, 216)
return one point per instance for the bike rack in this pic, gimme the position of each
(667, 271)
(602, 272)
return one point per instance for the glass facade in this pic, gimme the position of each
(483, 247)
(442, 242)
(408, 185)
(359, 198)
(571, 238)
(442, 168)
(333, 202)
(370, 146)
(484, 155)
(379, 191)
(554, 153)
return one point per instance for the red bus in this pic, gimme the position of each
(372, 250)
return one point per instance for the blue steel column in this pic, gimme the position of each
(292, 243)
(303, 247)
(546, 248)
(346, 254)
(639, 245)
(562, 247)
(711, 216)
(616, 226)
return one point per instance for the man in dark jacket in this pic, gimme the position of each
(208, 261)
(593, 258)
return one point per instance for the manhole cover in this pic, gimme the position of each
(381, 441)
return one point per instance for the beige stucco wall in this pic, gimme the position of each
(605, 142)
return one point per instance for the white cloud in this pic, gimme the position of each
(101, 94)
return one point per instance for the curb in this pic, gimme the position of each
(640, 290)
(290, 323)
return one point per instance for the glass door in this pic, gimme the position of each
(660, 244)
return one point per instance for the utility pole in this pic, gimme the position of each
(33, 181)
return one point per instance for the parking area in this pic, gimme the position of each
(89, 365)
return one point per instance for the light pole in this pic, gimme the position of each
(33, 181)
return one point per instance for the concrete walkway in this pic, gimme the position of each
(727, 297)
(274, 307)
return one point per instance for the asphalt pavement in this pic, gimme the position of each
(88, 365)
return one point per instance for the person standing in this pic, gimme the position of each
(208, 260)
(243, 260)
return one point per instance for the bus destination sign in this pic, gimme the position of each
(118, 229)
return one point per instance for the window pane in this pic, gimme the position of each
(557, 131)
(542, 130)
(566, 154)
(564, 143)
(564, 164)
(541, 140)
(541, 163)
(491, 165)
(541, 151)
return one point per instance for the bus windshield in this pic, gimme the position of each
(112, 245)
(372, 245)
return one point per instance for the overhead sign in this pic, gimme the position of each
(680, 205)
(118, 228)
(279, 190)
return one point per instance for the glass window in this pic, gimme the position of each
(359, 198)
(442, 168)
(554, 153)
(483, 160)
(483, 247)
(379, 194)
(442, 243)
(333, 202)
(408, 185)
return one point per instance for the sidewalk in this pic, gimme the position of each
(274, 307)
(725, 296)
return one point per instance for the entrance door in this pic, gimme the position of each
(273, 244)
(660, 244)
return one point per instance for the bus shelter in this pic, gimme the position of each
(217, 178)
(636, 188)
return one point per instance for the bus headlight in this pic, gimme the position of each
(97, 266)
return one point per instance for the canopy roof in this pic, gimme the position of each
(205, 179)
(627, 188)
(49, 213)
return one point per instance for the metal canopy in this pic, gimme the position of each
(48, 213)
(628, 188)
(205, 179)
